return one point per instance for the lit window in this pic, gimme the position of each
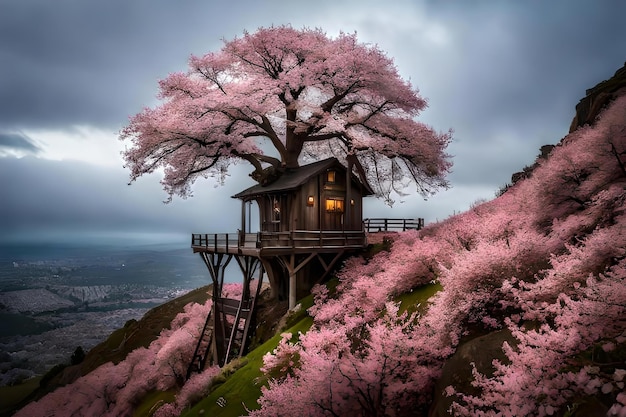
(334, 205)
(330, 176)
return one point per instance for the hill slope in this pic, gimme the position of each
(535, 278)
(530, 319)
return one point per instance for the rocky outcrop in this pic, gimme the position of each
(597, 98)
(544, 152)
(587, 110)
(457, 372)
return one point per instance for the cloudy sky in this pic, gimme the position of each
(505, 75)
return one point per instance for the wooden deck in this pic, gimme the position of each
(275, 243)
(298, 241)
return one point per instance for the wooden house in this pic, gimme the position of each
(313, 197)
(309, 218)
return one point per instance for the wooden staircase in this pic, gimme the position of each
(226, 329)
(224, 335)
(232, 329)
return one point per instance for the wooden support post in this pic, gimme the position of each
(347, 207)
(292, 282)
(248, 265)
(293, 268)
(271, 276)
(292, 289)
(216, 265)
(243, 216)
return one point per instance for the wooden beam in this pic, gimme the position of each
(248, 265)
(328, 268)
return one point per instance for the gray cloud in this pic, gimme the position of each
(506, 77)
(41, 197)
(69, 62)
(17, 142)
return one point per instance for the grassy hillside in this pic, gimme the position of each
(114, 349)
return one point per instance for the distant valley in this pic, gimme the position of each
(55, 298)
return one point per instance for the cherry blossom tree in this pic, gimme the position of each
(279, 96)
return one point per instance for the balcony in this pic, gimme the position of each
(269, 243)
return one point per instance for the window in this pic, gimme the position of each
(330, 176)
(334, 205)
(276, 210)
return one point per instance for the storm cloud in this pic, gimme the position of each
(504, 75)
(41, 198)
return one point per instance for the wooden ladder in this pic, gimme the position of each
(203, 348)
(223, 338)
(232, 325)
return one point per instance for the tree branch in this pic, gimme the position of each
(330, 103)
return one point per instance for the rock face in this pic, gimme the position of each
(597, 98)
(587, 110)
(457, 372)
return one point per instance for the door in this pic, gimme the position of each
(333, 213)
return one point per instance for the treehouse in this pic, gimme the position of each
(310, 217)
(313, 197)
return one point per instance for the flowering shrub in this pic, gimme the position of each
(114, 390)
(545, 260)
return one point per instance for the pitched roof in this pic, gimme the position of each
(291, 179)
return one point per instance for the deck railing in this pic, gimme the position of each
(225, 240)
(291, 239)
(396, 225)
(229, 242)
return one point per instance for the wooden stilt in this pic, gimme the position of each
(216, 265)
(329, 267)
(293, 268)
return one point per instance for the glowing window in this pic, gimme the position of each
(330, 176)
(334, 205)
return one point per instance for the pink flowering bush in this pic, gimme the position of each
(545, 260)
(115, 390)
(336, 374)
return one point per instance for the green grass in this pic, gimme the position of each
(152, 401)
(417, 300)
(243, 386)
(11, 396)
